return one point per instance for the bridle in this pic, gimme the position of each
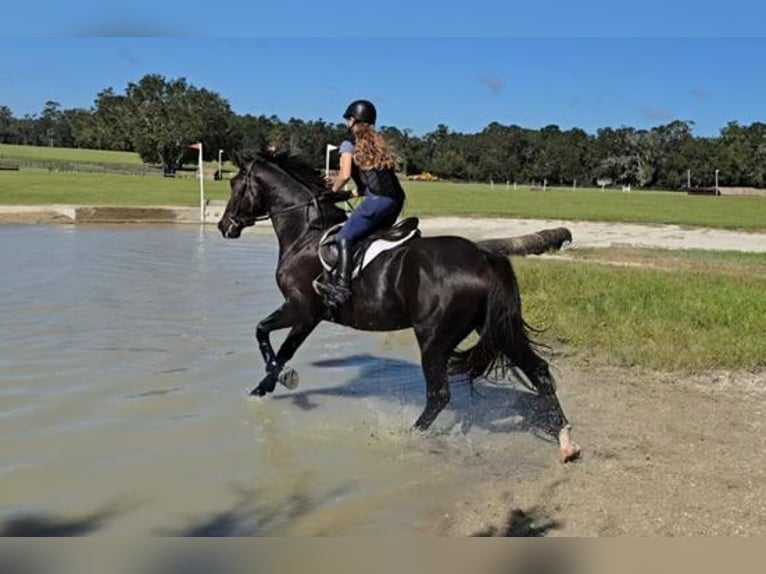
(234, 220)
(241, 223)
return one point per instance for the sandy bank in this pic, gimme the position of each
(584, 233)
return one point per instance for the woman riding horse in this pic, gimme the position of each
(366, 159)
(444, 288)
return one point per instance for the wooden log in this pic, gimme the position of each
(531, 244)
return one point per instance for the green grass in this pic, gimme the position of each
(729, 262)
(70, 160)
(688, 320)
(39, 153)
(37, 187)
(440, 198)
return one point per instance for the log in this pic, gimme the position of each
(532, 244)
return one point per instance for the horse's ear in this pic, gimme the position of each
(242, 157)
(237, 158)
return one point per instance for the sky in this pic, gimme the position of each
(590, 65)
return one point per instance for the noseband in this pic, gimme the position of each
(235, 222)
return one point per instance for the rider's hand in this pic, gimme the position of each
(341, 195)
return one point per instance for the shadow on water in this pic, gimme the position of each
(494, 407)
(41, 526)
(251, 514)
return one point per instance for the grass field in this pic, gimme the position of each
(38, 187)
(709, 314)
(33, 187)
(73, 160)
(441, 198)
(9, 151)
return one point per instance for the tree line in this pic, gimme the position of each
(158, 118)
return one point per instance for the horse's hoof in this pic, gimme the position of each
(568, 449)
(266, 385)
(569, 453)
(289, 378)
(258, 392)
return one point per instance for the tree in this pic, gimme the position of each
(498, 153)
(574, 155)
(250, 132)
(628, 156)
(676, 153)
(24, 130)
(402, 145)
(163, 117)
(6, 124)
(109, 126)
(78, 123)
(742, 158)
(49, 124)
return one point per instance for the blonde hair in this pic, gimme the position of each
(370, 150)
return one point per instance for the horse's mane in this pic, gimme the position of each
(296, 167)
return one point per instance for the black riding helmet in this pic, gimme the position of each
(361, 111)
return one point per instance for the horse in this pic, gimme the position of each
(443, 287)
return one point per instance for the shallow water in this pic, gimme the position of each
(126, 353)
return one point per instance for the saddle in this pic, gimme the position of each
(366, 250)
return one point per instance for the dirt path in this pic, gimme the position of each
(594, 234)
(584, 233)
(662, 457)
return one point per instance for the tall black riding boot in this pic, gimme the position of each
(340, 288)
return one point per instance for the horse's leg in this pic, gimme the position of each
(538, 372)
(274, 368)
(434, 362)
(437, 340)
(276, 320)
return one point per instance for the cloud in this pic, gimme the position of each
(494, 84)
(701, 93)
(656, 114)
(129, 58)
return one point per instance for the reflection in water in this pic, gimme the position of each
(125, 357)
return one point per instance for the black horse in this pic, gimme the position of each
(444, 288)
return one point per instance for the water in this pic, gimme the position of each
(126, 353)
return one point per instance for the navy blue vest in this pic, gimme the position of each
(377, 181)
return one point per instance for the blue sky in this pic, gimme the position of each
(474, 63)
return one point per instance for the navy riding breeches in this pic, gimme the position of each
(375, 212)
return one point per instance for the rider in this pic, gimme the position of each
(365, 158)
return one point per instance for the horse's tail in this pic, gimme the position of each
(504, 336)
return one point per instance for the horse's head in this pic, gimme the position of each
(278, 185)
(247, 202)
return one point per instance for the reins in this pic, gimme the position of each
(315, 201)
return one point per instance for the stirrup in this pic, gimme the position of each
(320, 287)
